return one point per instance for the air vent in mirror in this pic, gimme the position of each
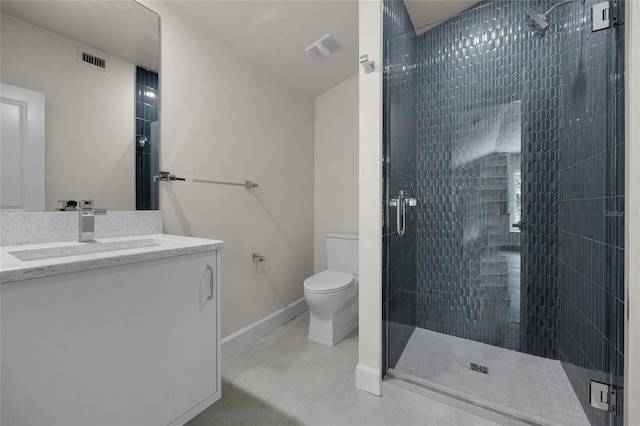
(92, 59)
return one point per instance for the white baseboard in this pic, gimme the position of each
(242, 338)
(369, 379)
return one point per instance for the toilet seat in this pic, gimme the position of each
(328, 282)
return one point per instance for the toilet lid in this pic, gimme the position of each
(328, 282)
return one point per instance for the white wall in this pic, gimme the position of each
(632, 214)
(369, 369)
(225, 118)
(335, 165)
(90, 115)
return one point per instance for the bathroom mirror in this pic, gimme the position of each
(84, 57)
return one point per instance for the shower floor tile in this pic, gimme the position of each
(532, 387)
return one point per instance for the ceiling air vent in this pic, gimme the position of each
(326, 46)
(91, 59)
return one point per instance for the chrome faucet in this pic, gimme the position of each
(87, 213)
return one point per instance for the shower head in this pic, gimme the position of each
(541, 20)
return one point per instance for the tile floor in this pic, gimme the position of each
(284, 379)
(534, 387)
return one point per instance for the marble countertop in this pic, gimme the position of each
(70, 256)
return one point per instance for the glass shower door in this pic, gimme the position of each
(400, 206)
(503, 284)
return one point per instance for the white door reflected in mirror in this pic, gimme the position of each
(22, 150)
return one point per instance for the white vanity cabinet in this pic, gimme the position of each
(132, 344)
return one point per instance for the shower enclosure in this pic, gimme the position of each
(503, 242)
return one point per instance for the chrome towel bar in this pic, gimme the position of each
(166, 177)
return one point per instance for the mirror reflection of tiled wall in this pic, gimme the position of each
(147, 140)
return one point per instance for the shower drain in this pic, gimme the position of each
(479, 368)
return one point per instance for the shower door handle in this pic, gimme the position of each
(401, 210)
(400, 203)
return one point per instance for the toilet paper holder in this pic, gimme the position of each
(257, 259)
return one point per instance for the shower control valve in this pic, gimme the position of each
(408, 201)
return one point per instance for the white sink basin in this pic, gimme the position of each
(84, 248)
(25, 262)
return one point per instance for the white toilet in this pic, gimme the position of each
(332, 295)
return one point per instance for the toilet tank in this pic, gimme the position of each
(342, 252)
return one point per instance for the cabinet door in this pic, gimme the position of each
(133, 344)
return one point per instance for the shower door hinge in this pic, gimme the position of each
(367, 64)
(603, 396)
(604, 15)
